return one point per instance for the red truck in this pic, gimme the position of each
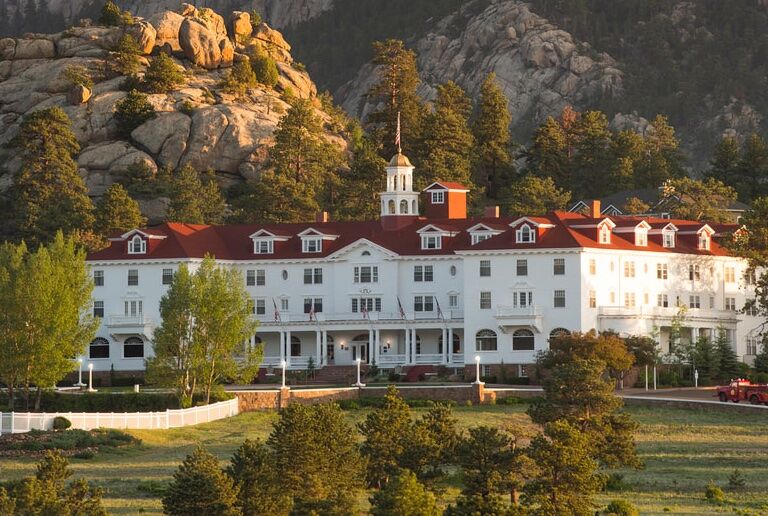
(743, 390)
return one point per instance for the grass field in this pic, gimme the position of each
(682, 449)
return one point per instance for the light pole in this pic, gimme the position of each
(90, 377)
(477, 369)
(359, 383)
(80, 373)
(283, 363)
(696, 378)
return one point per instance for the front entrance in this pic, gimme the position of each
(359, 347)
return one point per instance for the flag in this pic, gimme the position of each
(439, 311)
(400, 307)
(397, 134)
(277, 312)
(364, 308)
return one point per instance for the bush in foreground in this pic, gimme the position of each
(621, 508)
(201, 487)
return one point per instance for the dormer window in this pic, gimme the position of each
(438, 197)
(431, 241)
(605, 234)
(704, 241)
(525, 235)
(137, 245)
(668, 239)
(263, 246)
(312, 245)
(480, 237)
(641, 237)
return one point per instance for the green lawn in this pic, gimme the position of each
(683, 450)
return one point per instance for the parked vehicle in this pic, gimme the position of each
(743, 390)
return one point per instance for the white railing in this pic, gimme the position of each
(457, 358)
(300, 362)
(665, 312)
(20, 422)
(429, 359)
(128, 320)
(271, 361)
(389, 359)
(322, 317)
(518, 311)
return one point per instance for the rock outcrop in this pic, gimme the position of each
(540, 67)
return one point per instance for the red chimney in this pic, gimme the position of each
(594, 209)
(492, 212)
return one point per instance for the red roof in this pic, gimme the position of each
(233, 242)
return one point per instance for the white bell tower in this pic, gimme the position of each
(399, 204)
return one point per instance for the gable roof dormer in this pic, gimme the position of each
(528, 229)
(264, 241)
(137, 241)
(640, 231)
(481, 232)
(312, 240)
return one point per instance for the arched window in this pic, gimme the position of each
(485, 340)
(456, 348)
(295, 346)
(522, 340)
(366, 253)
(391, 208)
(403, 207)
(394, 179)
(605, 234)
(137, 245)
(453, 270)
(99, 348)
(525, 235)
(558, 332)
(402, 182)
(133, 347)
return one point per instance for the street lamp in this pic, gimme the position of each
(283, 364)
(359, 383)
(79, 372)
(90, 377)
(477, 369)
(696, 378)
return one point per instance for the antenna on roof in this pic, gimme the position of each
(397, 135)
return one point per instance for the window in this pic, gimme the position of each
(485, 268)
(694, 273)
(525, 235)
(134, 308)
(558, 333)
(522, 299)
(752, 343)
(522, 340)
(750, 308)
(295, 346)
(641, 237)
(479, 237)
(438, 197)
(559, 266)
(453, 301)
(522, 370)
(133, 347)
(263, 246)
(704, 241)
(662, 300)
(370, 304)
(662, 271)
(313, 305)
(404, 207)
(98, 309)
(167, 276)
(312, 245)
(284, 304)
(750, 277)
(133, 277)
(250, 278)
(694, 302)
(485, 340)
(367, 274)
(313, 276)
(423, 304)
(668, 238)
(485, 300)
(431, 241)
(629, 299)
(730, 275)
(592, 299)
(559, 299)
(592, 267)
(453, 270)
(137, 245)
(261, 307)
(522, 267)
(605, 234)
(98, 278)
(99, 348)
(285, 274)
(730, 303)
(629, 269)
(423, 273)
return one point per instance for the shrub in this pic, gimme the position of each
(508, 400)
(301, 67)
(714, 494)
(162, 75)
(199, 486)
(255, 19)
(393, 377)
(110, 14)
(265, 69)
(85, 455)
(615, 482)
(61, 423)
(736, 480)
(132, 111)
(127, 54)
(78, 75)
(239, 79)
(187, 108)
(621, 508)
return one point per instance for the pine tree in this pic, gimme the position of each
(662, 157)
(239, 79)
(199, 486)
(132, 111)
(265, 69)
(127, 53)
(532, 196)
(752, 171)
(447, 141)
(727, 359)
(692, 199)
(430, 443)
(195, 198)
(592, 156)
(725, 161)
(117, 211)
(259, 483)
(396, 91)
(492, 159)
(626, 154)
(550, 155)
(110, 14)
(486, 459)
(162, 75)
(360, 186)
(404, 495)
(275, 198)
(706, 361)
(48, 193)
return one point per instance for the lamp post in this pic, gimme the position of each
(359, 383)
(477, 369)
(80, 373)
(283, 363)
(696, 378)
(90, 377)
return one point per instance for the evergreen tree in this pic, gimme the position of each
(48, 193)
(404, 495)
(592, 155)
(447, 141)
(725, 161)
(492, 159)
(550, 153)
(110, 14)
(386, 430)
(162, 75)
(132, 111)
(565, 482)
(486, 458)
(752, 171)
(761, 359)
(239, 79)
(360, 186)
(662, 159)
(398, 80)
(318, 459)
(706, 361)
(126, 55)
(728, 361)
(117, 211)
(265, 69)
(259, 483)
(275, 198)
(201, 487)
(476, 505)
(532, 196)
(195, 198)
(627, 149)
(707, 200)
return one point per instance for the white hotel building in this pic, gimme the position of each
(394, 291)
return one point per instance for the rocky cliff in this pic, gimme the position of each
(197, 124)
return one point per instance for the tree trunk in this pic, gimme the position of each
(38, 397)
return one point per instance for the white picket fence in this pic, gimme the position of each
(20, 422)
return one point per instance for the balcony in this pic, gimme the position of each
(121, 325)
(514, 317)
(322, 318)
(666, 314)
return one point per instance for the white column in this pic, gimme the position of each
(370, 346)
(282, 346)
(288, 348)
(450, 345)
(413, 344)
(325, 346)
(318, 349)
(407, 346)
(377, 346)
(444, 333)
